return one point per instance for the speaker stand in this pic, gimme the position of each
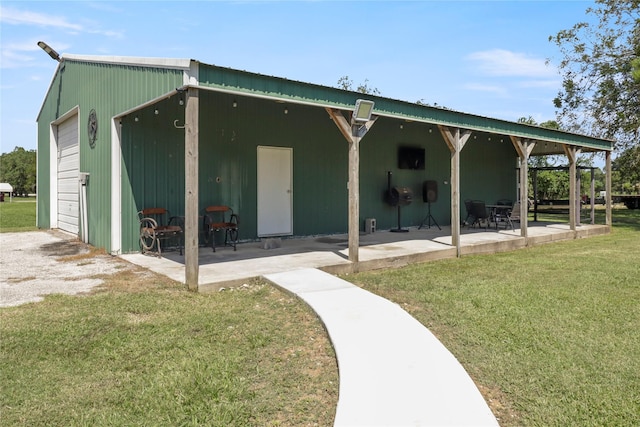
(429, 218)
(399, 229)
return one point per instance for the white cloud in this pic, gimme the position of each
(16, 55)
(503, 63)
(13, 16)
(21, 17)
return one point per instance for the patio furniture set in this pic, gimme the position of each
(503, 213)
(159, 229)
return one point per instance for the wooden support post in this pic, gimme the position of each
(572, 155)
(353, 135)
(354, 200)
(455, 139)
(524, 148)
(608, 187)
(191, 152)
(579, 196)
(592, 196)
(535, 195)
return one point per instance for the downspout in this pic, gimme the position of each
(83, 178)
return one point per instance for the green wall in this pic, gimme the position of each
(229, 136)
(109, 89)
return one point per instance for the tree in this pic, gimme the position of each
(346, 83)
(600, 93)
(18, 168)
(421, 101)
(627, 171)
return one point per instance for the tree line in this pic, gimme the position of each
(18, 168)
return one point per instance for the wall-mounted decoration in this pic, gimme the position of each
(92, 128)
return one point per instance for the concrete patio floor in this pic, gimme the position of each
(381, 249)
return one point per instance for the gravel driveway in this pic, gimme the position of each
(37, 263)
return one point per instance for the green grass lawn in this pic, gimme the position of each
(18, 215)
(549, 334)
(157, 355)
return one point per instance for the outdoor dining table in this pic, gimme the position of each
(498, 212)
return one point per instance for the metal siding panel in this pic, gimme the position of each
(109, 89)
(320, 170)
(120, 88)
(153, 167)
(379, 154)
(480, 179)
(229, 139)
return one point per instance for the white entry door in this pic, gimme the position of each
(68, 166)
(275, 195)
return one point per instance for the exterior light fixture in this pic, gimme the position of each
(362, 111)
(235, 104)
(52, 53)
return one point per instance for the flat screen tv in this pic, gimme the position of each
(411, 158)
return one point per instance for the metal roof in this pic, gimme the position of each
(252, 84)
(244, 83)
(172, 63)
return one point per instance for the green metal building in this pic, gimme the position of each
(115, 136)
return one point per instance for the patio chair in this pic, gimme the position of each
(513, 215)
(480, 214)
(153, 229)
(468, 204)
(220, 218)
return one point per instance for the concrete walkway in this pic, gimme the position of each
(393, 370)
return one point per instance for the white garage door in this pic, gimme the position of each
(68, 167)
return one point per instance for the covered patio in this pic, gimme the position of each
(382, 249)
(257, 117)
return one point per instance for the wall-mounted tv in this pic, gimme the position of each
(411, 158)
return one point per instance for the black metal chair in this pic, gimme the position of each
(215, 219)
(468, 204)
(480, 214)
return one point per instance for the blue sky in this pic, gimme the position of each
(481, 57)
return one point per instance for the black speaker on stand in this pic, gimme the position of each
(398, 196)
(429, 195)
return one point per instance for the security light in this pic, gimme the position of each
(362, 111)
(52, 53)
